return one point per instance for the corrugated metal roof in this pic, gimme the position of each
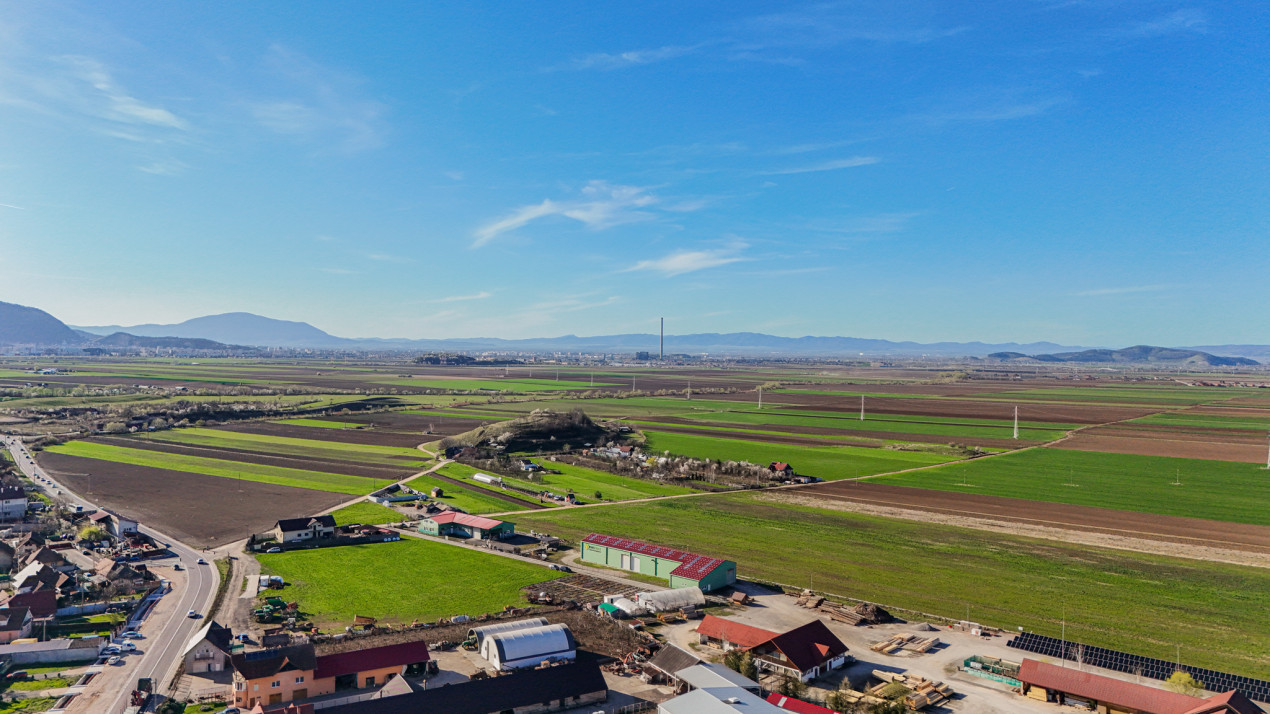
(691, 565)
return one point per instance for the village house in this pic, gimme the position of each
(298, 530)
(13, 502)
(285, 674)
(729, 634)
(15, 624)
(804, 652)
(208, 650)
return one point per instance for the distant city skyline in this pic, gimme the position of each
(1080, 173)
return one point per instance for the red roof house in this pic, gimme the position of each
(797, 705)
(728, 634)
(807, 651)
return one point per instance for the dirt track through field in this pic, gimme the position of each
(1174, 529)
(500, 496)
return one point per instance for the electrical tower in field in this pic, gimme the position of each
(1016, 423)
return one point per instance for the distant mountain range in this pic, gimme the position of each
(1135, 354)
(29, 326)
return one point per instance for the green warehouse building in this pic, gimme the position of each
(681, 568)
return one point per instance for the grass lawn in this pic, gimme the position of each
(28, 706)
(400, 581)
(1134, 602)
(366, 513)
(35, 685)
(472, 501)
(585, 482)
(827, 462)
(278, 475)
(1217, 490)
(59, 667)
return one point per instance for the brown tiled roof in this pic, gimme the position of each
(809, 645)
(739, 634)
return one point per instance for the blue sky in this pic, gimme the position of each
(1085, 172)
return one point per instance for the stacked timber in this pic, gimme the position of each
(865, 613)
(899, 642)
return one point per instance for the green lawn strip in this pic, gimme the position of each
(827, 462)
(27, 706)
(1134, 602)
(366, 513)
(585, 482)
(35, 685)
(400, 581)
(494, 385)
(472, 500)
(319, 423)
(1208, 421)
(59, 667)
(1217, 490)
(312, 448)
(277, 475)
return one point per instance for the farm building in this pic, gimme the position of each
(1051, 683)
(465, 525)
(716, 690)
(667, 600)
(730, 635)
(480, 633)
(681, 568)
(529, 647)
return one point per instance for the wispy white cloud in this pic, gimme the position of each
(10, 205)
(322, 105)
(830, 24)
(834, 165)
(602, 205)
(622, 60)
(1099, 292)
(338, 271)
(461, 298)
(168, 167)
(680, 262)
(388, 258)
(1182, 20)
(982, 108)
(812, 147)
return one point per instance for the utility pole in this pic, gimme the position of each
(1268, 455)
(861, 407)
(690, 390)
(1016, 423)
(760, 397)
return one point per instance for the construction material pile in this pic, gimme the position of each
(904, 641)
(866, 613)
(922, 692)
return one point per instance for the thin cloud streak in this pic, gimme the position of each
(607, 206)
(826, 166)
(622, 60)
(461, 298)
(1099, 292)
(689, 261)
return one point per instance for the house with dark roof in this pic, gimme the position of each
(557, 688)
(42, 603)
(13, 502)
(1051, 683)
(680, 567)
(804, 652)
(15, 624)
(298, 530)
(208, 649)
(8, 555)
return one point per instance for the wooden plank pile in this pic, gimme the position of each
(922, 692)
(905, 641)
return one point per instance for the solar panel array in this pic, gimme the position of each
(1256, 689)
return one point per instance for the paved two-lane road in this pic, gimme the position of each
(167, 629)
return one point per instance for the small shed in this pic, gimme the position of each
(530, 647)
(437, 492)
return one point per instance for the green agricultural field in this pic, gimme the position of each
(583, 481)
(472, 500)
(366, 513)
(827, 462)
(493, 385)
(223, 468)
(1184, 419)
(1218, 490)
(399, 582)
(1129, 601)
(314, 448)
(960, 429)
(1179, 395)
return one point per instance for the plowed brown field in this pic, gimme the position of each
(177, 503)
(348, 468)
